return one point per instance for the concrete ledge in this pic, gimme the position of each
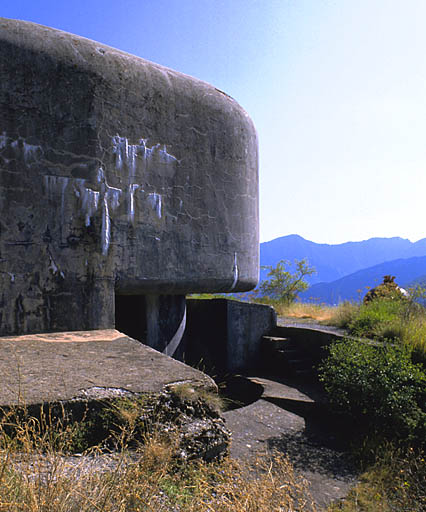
(62, 366)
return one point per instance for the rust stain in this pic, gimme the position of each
(69, 336)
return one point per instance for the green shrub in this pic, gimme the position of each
(372, 318)
(378, 387)
(386, 290)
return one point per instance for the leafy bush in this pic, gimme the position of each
(400, 320)
(378, 387)
(284, 285)
(387, 290)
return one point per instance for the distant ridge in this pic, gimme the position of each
(408, 272)
(334, 262)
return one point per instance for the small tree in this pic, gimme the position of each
(284, 285)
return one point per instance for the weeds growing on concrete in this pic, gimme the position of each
(37, 474)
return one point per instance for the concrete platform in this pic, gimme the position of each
(290, 419)
(54, 367)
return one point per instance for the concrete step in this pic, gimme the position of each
(275, 342)
(289, 352)
(282, 356)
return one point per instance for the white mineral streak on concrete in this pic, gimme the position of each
(119, 146)
(132, 153)
(29, 151)
(64, 184)
(174, 342)
(155, 202)
(132, 189)
(127, 154)
(163, 156)
(3, 140)
(113, 195)
(90, 201)
(132, 157)
(106, 226)
(235, 270)
(53, 267)
(57, 185)
(110, 198)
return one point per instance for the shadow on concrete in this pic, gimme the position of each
(239, 391)
(309, 451)
(320, 423)
(322, 446)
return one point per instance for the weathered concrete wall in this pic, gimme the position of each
(247, 323)
(225, 335)
(117, 176)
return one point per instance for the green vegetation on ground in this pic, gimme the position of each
(401, 320)
(394, 481)
(377, 389)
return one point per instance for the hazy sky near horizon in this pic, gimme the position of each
(336, 89)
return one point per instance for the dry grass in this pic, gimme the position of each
(409, 327)
(396, 482)
(414, 332)
(343, 314)
(37, 475)
(302, 311)
(187, 392)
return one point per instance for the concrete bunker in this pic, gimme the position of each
(124, 186)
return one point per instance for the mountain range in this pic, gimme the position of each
(343, 271)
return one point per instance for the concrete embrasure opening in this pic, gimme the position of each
(130, 316)
(158, 321)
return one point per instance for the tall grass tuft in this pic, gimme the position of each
(343, 314)
(395, 482)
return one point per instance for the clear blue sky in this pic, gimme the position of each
(336, 88)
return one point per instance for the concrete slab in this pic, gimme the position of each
(53, 367)
(277, 389)
(285, 420)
